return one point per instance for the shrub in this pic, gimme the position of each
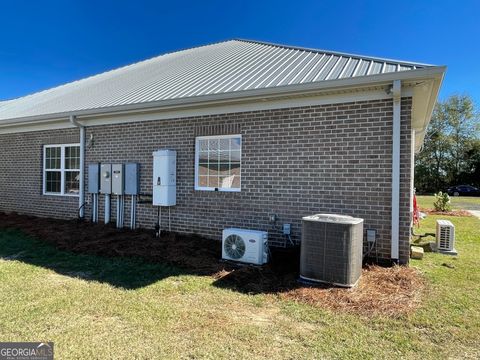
(442, 202)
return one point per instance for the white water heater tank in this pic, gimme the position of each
(164, 177)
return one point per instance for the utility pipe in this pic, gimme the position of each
(395, 239)
(132, 212)
(81, 190)
(107, 209)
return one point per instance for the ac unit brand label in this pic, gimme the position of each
(252, 240)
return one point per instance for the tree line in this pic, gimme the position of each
(451, 150)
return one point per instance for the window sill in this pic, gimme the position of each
(217, 189)
(62, 195)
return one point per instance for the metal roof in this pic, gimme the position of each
(221, 68)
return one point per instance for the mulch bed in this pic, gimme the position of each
(393, 292)
(446, 213)
(189, 252)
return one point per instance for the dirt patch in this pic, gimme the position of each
(446, 213)
(389, 291)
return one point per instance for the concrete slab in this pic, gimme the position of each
(416, 252)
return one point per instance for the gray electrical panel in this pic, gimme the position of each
(93, 178)
(106, 178)
(132, 179)
(117, 179)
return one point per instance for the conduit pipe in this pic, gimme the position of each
(397, 97)
(81, 190)
(107, 209)
(133, 209)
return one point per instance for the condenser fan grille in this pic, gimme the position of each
(234, 246)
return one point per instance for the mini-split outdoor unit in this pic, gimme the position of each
(247, 246)
(331, 249)
(445, 236)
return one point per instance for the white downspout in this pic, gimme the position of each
(412, 173)
(81, 190)
(397, 97)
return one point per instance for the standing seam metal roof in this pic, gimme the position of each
(225, 67)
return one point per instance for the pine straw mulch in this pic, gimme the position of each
(446, 213)
(185, 251)
(392, 292)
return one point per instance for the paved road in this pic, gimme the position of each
(475, 213)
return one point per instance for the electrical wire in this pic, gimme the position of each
(371, 245)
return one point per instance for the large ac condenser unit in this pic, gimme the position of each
(331, 249)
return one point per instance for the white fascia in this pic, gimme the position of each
(237, 100)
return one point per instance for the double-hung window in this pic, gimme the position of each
(61, 169)
(218, 163)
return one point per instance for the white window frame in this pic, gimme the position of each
(62, 169)
(197, 160)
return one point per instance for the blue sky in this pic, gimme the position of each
(48, 43)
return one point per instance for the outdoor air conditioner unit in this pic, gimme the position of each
(247, 246)
(331, 249)
(445, 236)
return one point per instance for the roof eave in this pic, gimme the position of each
(425, 96)
(433, 75)
(244, 96)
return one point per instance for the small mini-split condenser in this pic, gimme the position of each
(445, 236)
(246, 246)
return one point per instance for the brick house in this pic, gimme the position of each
(303, 131)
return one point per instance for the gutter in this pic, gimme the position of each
(243, 96)
(395, 236)
(81, 190)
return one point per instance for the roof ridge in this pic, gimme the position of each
(339, 53)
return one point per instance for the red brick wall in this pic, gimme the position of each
(295, 162)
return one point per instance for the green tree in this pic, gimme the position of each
(462, 126)
(432, 160)
(451, 148)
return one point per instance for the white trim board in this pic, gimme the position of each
(283, 103)
(306, 89)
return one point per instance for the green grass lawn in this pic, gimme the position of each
(458, 202)
(82, 303)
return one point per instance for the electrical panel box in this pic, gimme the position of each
(106, 178)
(164, 178)
(132, 179)
(117, 179)
(93, 178)
(371, 235)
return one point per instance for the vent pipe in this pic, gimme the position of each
(81, 190)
